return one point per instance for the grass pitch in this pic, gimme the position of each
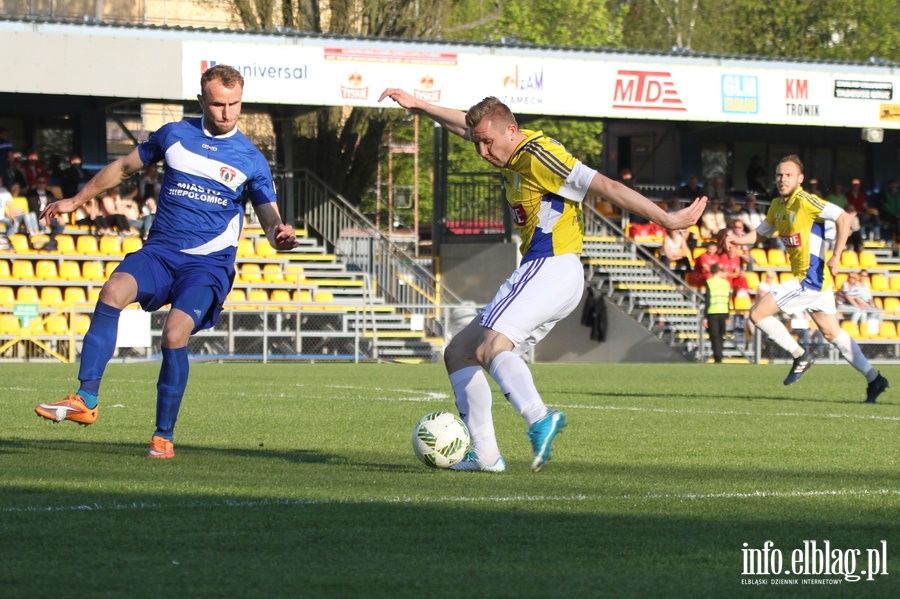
(299, 481)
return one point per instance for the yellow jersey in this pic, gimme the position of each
(544, 201)
(799, 222)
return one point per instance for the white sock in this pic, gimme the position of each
(517, 384)
(850, 351)
(778, 333)
(473, 400)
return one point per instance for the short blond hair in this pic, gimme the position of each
(492, 108)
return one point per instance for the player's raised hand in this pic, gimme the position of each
(399, 96)
(686, 217)
(285, 237)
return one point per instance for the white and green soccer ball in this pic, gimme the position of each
(440, 439)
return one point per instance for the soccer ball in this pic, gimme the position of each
(440, 439)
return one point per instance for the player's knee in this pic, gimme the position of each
(119, 291)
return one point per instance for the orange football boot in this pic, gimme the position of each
(70, 408)
(161, 448)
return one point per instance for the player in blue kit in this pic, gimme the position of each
(188, 258)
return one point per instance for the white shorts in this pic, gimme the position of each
(793, 298)
(534, 298)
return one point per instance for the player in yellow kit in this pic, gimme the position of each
(545, 186)
(798, 219)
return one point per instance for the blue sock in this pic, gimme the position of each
(90, 399)
(173, 377)
(97, 350)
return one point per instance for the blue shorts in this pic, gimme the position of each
(167, 276)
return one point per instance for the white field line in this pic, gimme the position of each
(516, 499)
(411, 395)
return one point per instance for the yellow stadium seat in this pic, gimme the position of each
(51, 296)
(87, 245)
(236, 295)
(892, 304)
(92, 270)
(839, 280)
(56, 324)
(5, 272)
(698, 251)
(282, 297)
(251, 273)
(65, 244)
(19, 243)
(850, 259)
(131, 244)
(82, 323)
(894, 282)
(272, 273)
(110, 267)
(760, 257)
(776, 257)
(94, 294)
(9, 324)
(27, 295)
(74, 295)
(324, 296)
(302, 295)
(742, 303)
(259, 297)
(46, 270)
(784, 277)
(867, 259)
(7, 296)
(293, 273)
(264, 249)
(887, 330)
(23, 270)
(245, 248)
(851, 328)
(880, 282)
(110, 245)
(752, 278)
(70, 270)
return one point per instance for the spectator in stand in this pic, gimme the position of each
(38, 199)
(73, 177)
(751, 215)
(837, 195)
(18, 210)
(733, 211)
(890, 210)
(713, 220)
(855, 240)
(717, 310)
(148, 186)
(34, 169)
(716, 190)
(15, 172)
(757, 179)
(868, 215)
(856, 299)
(675, 250)
(732, 259)
(132, 209)
(6, 149)
(813, 185)
(111, 220)
(692, 189)
(88, 214)
(703, 263)
(5, 208)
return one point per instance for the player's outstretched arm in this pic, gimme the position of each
(628, 199)
(111, 175)
(452, 120)
(280, 235)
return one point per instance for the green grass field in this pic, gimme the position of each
(299, 481)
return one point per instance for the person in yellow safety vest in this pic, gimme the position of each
(718, 292)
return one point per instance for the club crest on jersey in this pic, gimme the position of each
(227, 174)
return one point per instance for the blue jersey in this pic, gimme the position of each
(200, 206)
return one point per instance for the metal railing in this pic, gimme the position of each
(397, 277)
